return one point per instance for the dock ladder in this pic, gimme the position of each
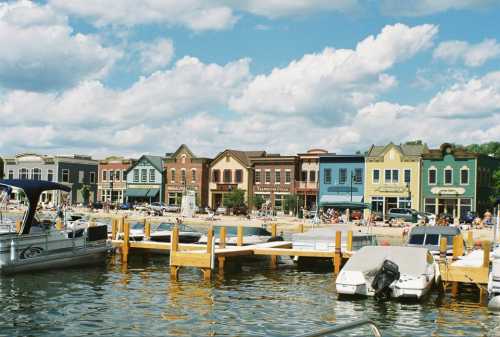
(344, 327)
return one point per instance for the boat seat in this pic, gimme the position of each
(78, 233)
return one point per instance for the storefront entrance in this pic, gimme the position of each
(217, 200)
(390, 202)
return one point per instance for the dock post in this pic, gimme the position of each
(125, 245)
(486, 253)
(443, 246)
(455, 247)
(470, 241)
(147, 229)
(59, 224)
(239, 241)
(174, 241)
(349, 241)
(18, 225)
(222, 245)
(274, 230)
(301, 227)
(338, 252)
(207, 272)
(114, 228)
(274, 233)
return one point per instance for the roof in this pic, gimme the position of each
(457, 152)
(244, 157)
(172, 156)
(408, 150)
(155, 161)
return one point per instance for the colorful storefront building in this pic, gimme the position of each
(112, 179)
(455, 181)
(393, 176)
(307, 186)
(186, 172)
(145, 180)
(274, 179)
(341, 181)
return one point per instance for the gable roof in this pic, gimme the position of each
(244, 157)
(457, 152)
(407, 150)
(155, 161)
(182, 147)
(173, 156)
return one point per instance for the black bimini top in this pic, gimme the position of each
(33, 189)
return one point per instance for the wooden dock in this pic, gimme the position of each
(207, 256)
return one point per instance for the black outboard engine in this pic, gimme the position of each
(384, 278)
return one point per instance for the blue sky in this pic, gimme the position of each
(128, 77)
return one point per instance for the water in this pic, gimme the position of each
(141, 300)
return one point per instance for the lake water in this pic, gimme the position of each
(140, 300)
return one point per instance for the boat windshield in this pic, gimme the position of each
(432, 239)
(165, 226)
(137, 226)
(416, 239)
(247, 231)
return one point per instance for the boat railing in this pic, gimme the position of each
(344, 327)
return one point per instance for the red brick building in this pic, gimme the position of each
(112, 181)
(185, 171)
(307, 182)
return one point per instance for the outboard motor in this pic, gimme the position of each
(384, 277)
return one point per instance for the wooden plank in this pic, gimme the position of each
(197, 259)
(464, 274)
(293, 252)
(486, 253)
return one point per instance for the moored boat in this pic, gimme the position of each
(494, 281)
(429, 237)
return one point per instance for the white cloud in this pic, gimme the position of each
(429, 7)
(156, 54)
(38, 50)
(472, 55)
(198, 15)
(335, 80)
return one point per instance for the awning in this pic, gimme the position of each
(343, 201)
(142, 192)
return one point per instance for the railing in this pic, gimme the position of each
(344, 327)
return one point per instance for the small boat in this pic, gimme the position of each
(388, 271)
(163, 231)
(251, 235)
(323, 239)
(39, 245)
(494, 281)
(430, 236)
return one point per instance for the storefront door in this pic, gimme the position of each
(390, 202)
(448, 206)
(217, 200)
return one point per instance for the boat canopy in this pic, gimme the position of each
(440, 230)
(33, 189)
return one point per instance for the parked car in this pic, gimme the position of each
(172, 208)
(158, 207)
(125, 206)
(221, 210)
(405, 214)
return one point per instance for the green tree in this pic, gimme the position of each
(496, 185)
(235, 198)
(489, 149)
(258, 201)
(85, 192)
(291, 202)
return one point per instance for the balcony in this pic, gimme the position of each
(307, 185)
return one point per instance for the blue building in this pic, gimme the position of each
(341, 181)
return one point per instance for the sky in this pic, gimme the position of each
(126, 77)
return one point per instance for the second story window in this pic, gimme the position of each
(238, 176)
(257, 176)
(144, 175)
(50, 175)
(328, 176)
(172, 175)
(288, 177)
(432, 176)
(117, 175)
(92, 177)
(312, 176)
(303, 176)
(193, 175)
(227, 176)
(216, 176)
(376, 176)
(407, 175)
(36, 174)
(395, 176)
(11, 174)
(277, 176)
(81, 176)
(152, 175)
(65, 176)
(342, 176)
(448, 176)
(358, 176)
(183, 176)
(268, 177)
(464, 176)
(136, 175)
(104, 175)
(23, 173)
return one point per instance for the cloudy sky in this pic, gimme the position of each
(131, 77)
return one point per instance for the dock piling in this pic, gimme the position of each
(222, 244)
(174, 270)
(207, 272)
(349, 241)
(147, 228)
(486, 253)
(126, 241)
(239, 241)
(301, 227)
(114, 228)
(338, 252)
(18, 226)
(470, 241)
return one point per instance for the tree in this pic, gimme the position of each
(235, 198)
(496, 185)
(291, 202)
(258, 201)
(85, 192)
(489, 149)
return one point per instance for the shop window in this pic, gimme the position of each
(312, 176)
(279, 202)
(430, 205)
(407, 176)
(464, 176)
(432, 176)
(448, 176)
(376, 176)
(144, 175)
(216, 176)
(238, 175)
(268, 176)
(257, 176)
(227, 176)
(328, 176)
(152, 175)
(65, 176)
(136, 175)
(172, 176)
(358, 176)
(342, 176)
(277, 176)
(288, 177)
(36, 174)
(377, 204)
(404, 202)
(465, 206)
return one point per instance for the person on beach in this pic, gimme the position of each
(487, 218)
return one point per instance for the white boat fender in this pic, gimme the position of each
(494, 303)
(12, 250)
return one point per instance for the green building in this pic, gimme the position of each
(455, 181)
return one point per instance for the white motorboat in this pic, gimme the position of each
(397, 272)
(39, 245)
(323, 239)
(251, 235)
(494, 281)
(163, 231)
(430, 236)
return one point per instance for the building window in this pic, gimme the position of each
(92, 177)
(11, 174)
(144, 175)
(312, 176)
(238, 176)
(277, 176)
(342, 176)
(448, 176)
(117, 175)
(183, 176)
(358, 176)
(288, 177)
(123, 175)
(395, 176)
(432, 176)
(257, 176)
(430, 205)
(23, 173)
(152, 175)
(172, 175)
(328, 176)
(193, 175)
(279, 201)
(376, 176)
(50, 175)
(464, 176)
(465, 206)
(404, 202)
(104, 175)
(387, 176)
(227, 176)
(136, 175)
(81, 176)
(65, 176)
(36, 174)
(378, 205)
(267, 176)
(407, 175)
(303, 176)
(215, 176)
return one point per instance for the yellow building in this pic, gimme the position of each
(393, 176)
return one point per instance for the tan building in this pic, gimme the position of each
(112, 179)
(274, 178)
(307, 185)
(230, 170)
(184, 171)
(393, 176)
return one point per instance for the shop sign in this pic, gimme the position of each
(392, 189)
(226, 187)
(179, 187)
(271, 189)
(143, 186)
(448, 190)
